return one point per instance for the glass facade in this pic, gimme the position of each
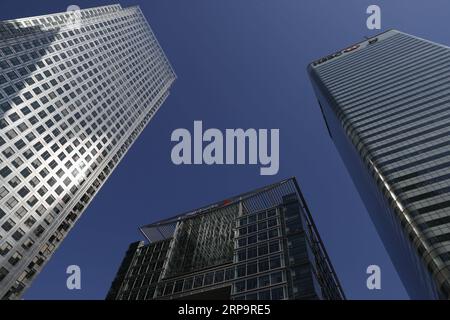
(257, 246)
(385, 103)
(73, 99)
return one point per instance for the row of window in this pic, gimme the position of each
(258, 282)
(258, 237)
(18, 26)
(272, 222)
(212, 277)
(278, 293)
(254, 217)
(257, 251)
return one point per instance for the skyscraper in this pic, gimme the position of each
(259, 245)
(386, 105)
(76, 90)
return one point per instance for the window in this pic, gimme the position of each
(264, 295)
(239, 286)
(36, 163)
(188, 284)
(229, 274)
(209, 277)
(17, 162)
(252, 296)
(11, 134)
(11, 203)
(240, 270)
(3, 192)
(264, 281)
(5, 248)
(275, 262)
(242, 231)
(252, 283)
(252, 239)
(262, 215)
(21, 212)
(44, 172)
(274, 246)
(4, 172)
(263, 249)
(42, 191)
(262, 225)
(273, 233)
(262, 236)
(198, 282)
(276, 277)
(67, 181)
(51, 181)
(272, 222)
(242, 242)
(241, 255)
(251, 228)
(23, 192)
(32, 201)
(218, 277)
(15, 258)
(168, 288)
(272, 213)
(277, 294)
(252, 268)
(7, 51)
(8, 152)
(27, 244)
(25, 172)
(263, 265)
(39, 231)
(3, 273)
(5, 106)
(34, 181)
(9, 90)
(50, 200)
(251, 253)
(18, 234)
(30, 222)
(178, 286)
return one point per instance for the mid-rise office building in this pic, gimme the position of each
(76, 90)
(386, 105)
(260, 245)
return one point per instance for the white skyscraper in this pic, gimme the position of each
(76, 90)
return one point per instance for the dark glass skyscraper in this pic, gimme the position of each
(386, 105)
(76, 90)
(258, 245)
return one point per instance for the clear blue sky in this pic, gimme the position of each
(240, 63)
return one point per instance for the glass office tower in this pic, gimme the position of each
(386, 105)
(258, 245)
(76, 90)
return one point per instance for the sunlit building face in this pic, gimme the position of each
(75, 93)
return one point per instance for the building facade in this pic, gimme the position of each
(261, 245)
(386, 106)
(76, 90)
